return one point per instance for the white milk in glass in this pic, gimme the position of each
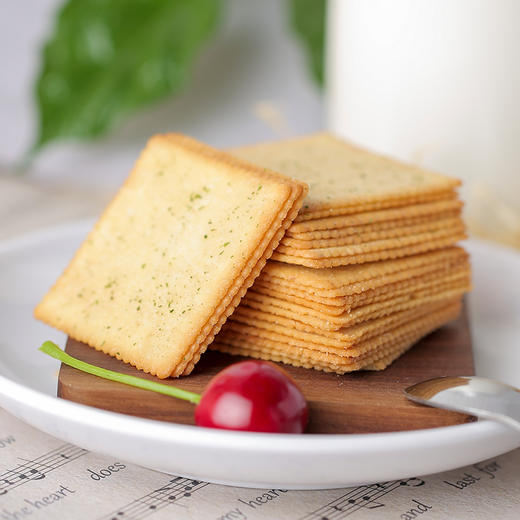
(435, 82)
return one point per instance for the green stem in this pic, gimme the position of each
(54, 351)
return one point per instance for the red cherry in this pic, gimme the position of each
(254, 396)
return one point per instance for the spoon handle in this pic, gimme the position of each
(477, 396)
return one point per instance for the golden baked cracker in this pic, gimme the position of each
(169, 259)
(339, 305)
(343, 232)
(291, 331)
(309, 319)
(319, 352)
(450, 314)
(356, 278)
(361, 315)
(291, 215)
(377, 205)
(398, 252)
(344, 338)
(293, 325)
(362, 350)
(394, 216)
(351, 303)
(376, 245)
(371, 236)
(342, 176)
(390, 347)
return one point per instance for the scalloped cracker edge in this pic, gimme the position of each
(172, 255)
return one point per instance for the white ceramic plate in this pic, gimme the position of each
(29, 265)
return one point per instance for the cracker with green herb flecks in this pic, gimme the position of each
(172, 255)
(371, 251)
(334, 306)
(371, 236)
(410, 288)
(375, 353)
(301, 317)
(353, 279)
(344, 337)
(359, 278)
(345, 179)
(333, 227)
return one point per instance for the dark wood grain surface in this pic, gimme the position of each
(360, 402)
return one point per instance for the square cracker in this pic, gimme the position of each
(363, 237)
(316, 258)
(362, 348)
(335, 306)
(345, 179)
(341, 232)
(172, 255)
(306, 317)
(379, 352)
(386, 244)
(375, 220)
(344, 338)
(346, 280)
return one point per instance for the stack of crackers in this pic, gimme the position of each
(368, 267)
(361, 268)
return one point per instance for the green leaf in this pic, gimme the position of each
(51, 349)
(308, 21)
(108, 58)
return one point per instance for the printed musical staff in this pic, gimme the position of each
(362, 497)
(176, 489)
(38, 468)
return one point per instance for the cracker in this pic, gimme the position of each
(291, 215)
(374, 246)
(338, 305)
(370, 228)
(171, 256)
(343, 232)
(363, 349)
(389, 348)
(371, 236)
(357, 294)
(308, 318)
(396, 216)
(394, 202)
(329, 327)
(346, 179)
(353, 279)
(336, 261)
(298, 333)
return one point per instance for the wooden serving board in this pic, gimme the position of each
(360, 402)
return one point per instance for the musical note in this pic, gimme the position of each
(175, 490)
(361, 497)
(38, 468)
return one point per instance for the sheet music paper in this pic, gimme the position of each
(42, 477)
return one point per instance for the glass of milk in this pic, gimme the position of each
(437, 83)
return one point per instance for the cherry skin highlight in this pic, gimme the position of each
(254, 396)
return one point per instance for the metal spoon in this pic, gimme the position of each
(478, 396)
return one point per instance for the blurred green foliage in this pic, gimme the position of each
(107, 58)
(308, 21)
